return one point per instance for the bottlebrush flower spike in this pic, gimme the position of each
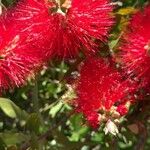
(101, 90)
(18, 58)
(135, 48)
(32, 18)
(65, 33)
(80, 25)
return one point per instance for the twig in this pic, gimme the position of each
(142, 137)
(35, 97)
(44, 136)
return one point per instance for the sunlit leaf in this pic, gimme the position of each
(54, 110)
(11, 109)
(11, 138)
(127, 11)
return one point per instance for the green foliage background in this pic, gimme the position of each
(38, 116)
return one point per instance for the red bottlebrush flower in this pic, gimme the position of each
(64, 34)
(135, 48)
(18, 58)
(101, 88)
(77, 28)
(32, 18)
(122, 109)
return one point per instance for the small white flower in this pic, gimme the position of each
(111, 128)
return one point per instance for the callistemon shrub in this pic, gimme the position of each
(135, 49)
(64, 29)
(18, 58)
(103, 94)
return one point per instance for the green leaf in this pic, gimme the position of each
(78, 131)
(113, 43)
(12, 110)
(77, 135)
(13, 147)
(55, 109)
(8, 2)
(2, 144)
(123, 145)
(98, 137)
(33, 123)
(76, 121)
(127, 11)
(11, 138)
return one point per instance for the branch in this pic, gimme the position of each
(42, 137)
(142, 137)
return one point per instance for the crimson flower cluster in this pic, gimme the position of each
(64, 33)
(17, 57)
(102, 91)
(135, 48)
(35, 30)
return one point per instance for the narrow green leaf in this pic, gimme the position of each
(33, 123)
(12, 110)
(55, 109)
(11, 138)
